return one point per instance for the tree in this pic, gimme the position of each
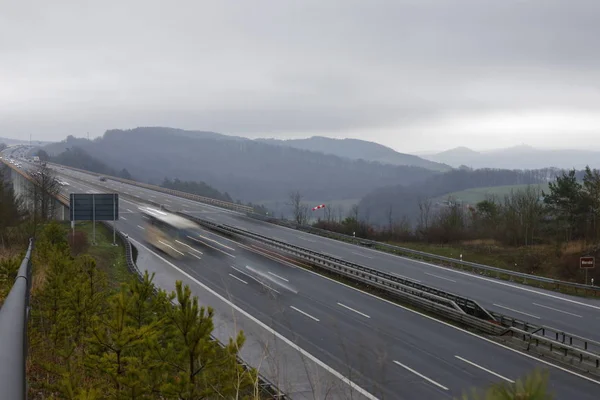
(424, 213)
(43, 192)
(300, 210)
(533, 386)
(125, 174)
(564, 202)
(12, 210)
(43, 155)
(3, 146)
(591, 198)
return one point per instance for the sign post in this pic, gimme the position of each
(94, 207)
(586, 263)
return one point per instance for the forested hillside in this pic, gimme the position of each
(246, 169)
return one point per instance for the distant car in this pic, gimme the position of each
(103, 178)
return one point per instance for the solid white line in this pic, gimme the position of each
(517, 311)
(556, 309)
(120, 217)
(129, 210)
(440, 277)
(362, 255)
(191, 248)
(404, 277)
(485, 369)
(217, 242)
(352, 309)
(141, 227)
(192, 254)
(235, 277)
(421, 375)
(212, 247)
(302, 312)
(277, 276)
(171, 247)
(308, 240)
(287, 341)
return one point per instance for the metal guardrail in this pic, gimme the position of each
(474, 267)
(207, 200)
(267, 388)
(14, 315)
(564, 347)
(374, 277)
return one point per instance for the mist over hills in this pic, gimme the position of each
(518, 157)
(246, 169)
(356, 149)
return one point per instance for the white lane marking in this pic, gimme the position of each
(485, 369)
(287, 341)
(404, 277)
(304, 313)
(362, 255)
(191, 248)
(429, 317)
(440, 277)
(212, 247)
(557, 310)
(167, 200)
(129, 210)
(153, 196)
(307, 239)
(491, 280)
(277, 276)
(420, 375)
(235, 277)
(242, 272)
(517, 311)
(171, 247)
(192, 254)
(352, 309)
(121, 217)
(141, 227)
(217, 242)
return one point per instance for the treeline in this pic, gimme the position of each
(199, 188)
(569, 213)
(76, 157)
(404, 200)
(88, 341)
(12, 213)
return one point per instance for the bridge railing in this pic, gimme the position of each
(13, 333)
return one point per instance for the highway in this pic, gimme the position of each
(389, 350)
(572, 314)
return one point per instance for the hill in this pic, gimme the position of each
(355, 149)
(404, 200)
(475, 195)
(518, 157)
(246, 169)
(10, 142)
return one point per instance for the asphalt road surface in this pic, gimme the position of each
(391, 351)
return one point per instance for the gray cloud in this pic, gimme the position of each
(411, 74)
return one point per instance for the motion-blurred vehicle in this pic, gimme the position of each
(170, 233)
(103, 178)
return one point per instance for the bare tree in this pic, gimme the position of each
(424, 213)
(354, 212)
(390, 217)
(42, 192)
(328, 212)
(299, 209)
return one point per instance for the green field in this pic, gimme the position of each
(473, 196)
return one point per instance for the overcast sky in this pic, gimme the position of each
(411, 74)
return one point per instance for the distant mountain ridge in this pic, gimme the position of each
(518, 157)
(356, 149)
(249, 170)
(10, 141)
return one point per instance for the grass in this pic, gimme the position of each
(110, 259)
(476, 195)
